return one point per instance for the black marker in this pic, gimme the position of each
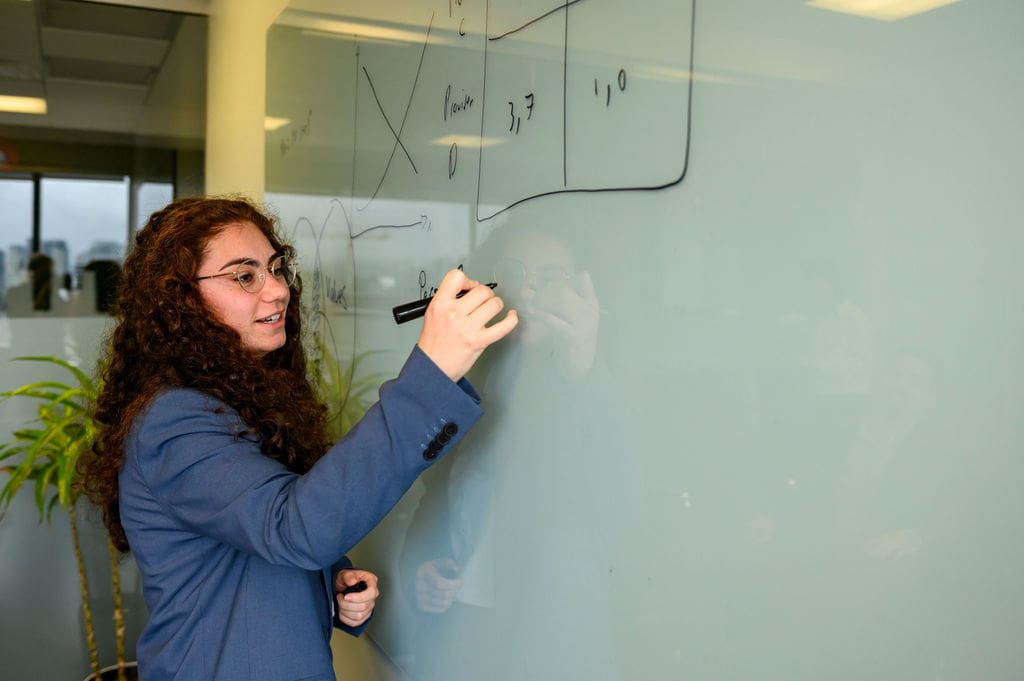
(417, 308)
(355, 588)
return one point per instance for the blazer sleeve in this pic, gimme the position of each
(217, 483)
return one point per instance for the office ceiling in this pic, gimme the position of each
(108, 69)
(125, 71)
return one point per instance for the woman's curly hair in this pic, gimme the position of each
(165, 336)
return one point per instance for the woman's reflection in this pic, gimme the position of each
(511, 554)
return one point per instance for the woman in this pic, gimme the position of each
(213, 465)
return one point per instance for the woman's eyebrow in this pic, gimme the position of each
(241, 261)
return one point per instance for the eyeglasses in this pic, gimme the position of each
(252, 277)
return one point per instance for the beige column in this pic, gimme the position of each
(236, 84)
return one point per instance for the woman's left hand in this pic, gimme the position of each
(356, 607)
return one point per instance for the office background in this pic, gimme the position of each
(760, 419)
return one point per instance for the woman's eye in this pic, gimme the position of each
(245, 276)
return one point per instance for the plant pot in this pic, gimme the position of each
(131, 672)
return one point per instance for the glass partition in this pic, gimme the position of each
(760, 417)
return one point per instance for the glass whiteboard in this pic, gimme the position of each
(761, 417)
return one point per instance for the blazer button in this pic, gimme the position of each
(442, 438)
(429, 454)
(450, 429)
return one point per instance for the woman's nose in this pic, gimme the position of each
(274, 288)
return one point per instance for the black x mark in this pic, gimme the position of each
(398, 135)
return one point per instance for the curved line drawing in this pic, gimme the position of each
(320, 327)
(534, 20)
(424, 222)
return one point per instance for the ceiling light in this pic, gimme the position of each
(270, 123)
(467, 141)
(885, 10)
(347, 29)
(26, 105)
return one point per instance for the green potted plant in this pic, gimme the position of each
(46, 454)
(347, 398)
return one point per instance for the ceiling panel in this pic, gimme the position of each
(97, 64)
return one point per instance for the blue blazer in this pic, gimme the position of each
(237, 554)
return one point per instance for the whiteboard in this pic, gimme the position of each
(761, 416)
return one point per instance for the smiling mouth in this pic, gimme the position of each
(271, 319)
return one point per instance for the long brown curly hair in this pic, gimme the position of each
(165, 336)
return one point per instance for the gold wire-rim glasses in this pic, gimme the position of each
(251, 277)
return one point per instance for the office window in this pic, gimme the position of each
(150, 197)
(16, 234)
(69, 262)
(82, 222)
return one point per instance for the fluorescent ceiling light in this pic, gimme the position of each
(270, 123)
(885, 10)
(363, 39)
(367, 30)
(26, 105)
(467, 141)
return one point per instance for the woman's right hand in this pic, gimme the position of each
(455, 331)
